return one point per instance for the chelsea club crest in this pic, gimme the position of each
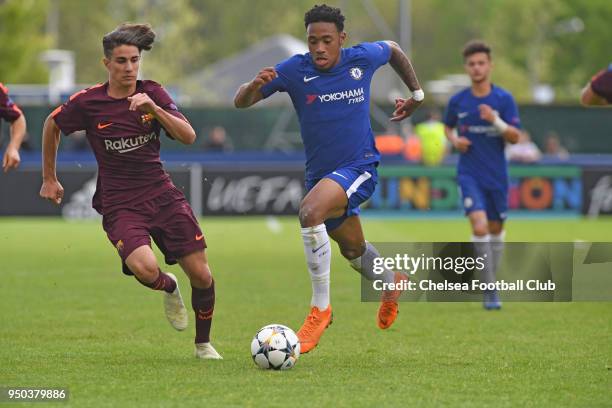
(356, 73)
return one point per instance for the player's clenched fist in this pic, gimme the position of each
(404, 108)
(487, 113)
(249, 93)
(141, 102)
(265, 75)
(52, 191)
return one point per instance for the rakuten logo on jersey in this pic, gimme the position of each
(128, 144)
(353, 95)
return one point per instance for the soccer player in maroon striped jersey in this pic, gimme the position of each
(123, 118)
(598, 92)
(12, 114)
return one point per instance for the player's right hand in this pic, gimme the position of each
(11, 159)
(404, 108)
(265, 75)
(462, 144)
(53, 191)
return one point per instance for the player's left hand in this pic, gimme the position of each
(11, 159)
(142, 102)
(487, 113)
(404, 108)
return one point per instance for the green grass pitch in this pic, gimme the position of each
(69, 318)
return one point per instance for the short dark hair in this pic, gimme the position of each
(326, 14)
(474, 47)
(138, 35)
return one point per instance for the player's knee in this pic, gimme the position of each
(201, 277)
(480, 230)
(352, 251)
(310, 215)
(144, 271)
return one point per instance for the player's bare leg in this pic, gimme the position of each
(482, 247)
(496, 241)
(326, 200)
(143, 264)
(361, 254)
(196, 267)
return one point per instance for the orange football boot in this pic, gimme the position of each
(387, 313)
(315, 324)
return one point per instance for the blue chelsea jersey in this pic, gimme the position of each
(485, 159)
(333, 106)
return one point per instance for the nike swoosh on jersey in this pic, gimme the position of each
(306, 79)
(462, 115)
(104, 125)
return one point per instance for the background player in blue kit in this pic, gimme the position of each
(330, 90)
(478, 122)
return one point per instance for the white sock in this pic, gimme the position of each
(318, 256)
(497, 249)
(365, 265)
(482, 248)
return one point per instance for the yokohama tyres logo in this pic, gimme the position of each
(353, 95)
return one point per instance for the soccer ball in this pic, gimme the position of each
(275, 347)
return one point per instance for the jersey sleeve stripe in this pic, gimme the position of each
(16, 109)
(56, 111)
(74, 95)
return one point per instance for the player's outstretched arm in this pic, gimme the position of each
(250, 93)
(590, 98)
(402, 65)
(178, 128)
(598, 91)
(11, 157)
(51, 188)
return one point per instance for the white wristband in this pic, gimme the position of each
(418, 95)
(500, 125)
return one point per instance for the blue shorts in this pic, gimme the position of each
(477, 198)
(358, 183)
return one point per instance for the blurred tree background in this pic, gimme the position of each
(556, 42)
(22, 39)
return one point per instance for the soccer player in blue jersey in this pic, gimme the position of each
(330, 90)
(479, 121)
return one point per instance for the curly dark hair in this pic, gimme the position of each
(138, 35)
(474, 47)
(326, 14)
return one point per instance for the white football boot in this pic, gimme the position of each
(175, 308)
(206, 351)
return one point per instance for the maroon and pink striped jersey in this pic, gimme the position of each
(126, 143)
